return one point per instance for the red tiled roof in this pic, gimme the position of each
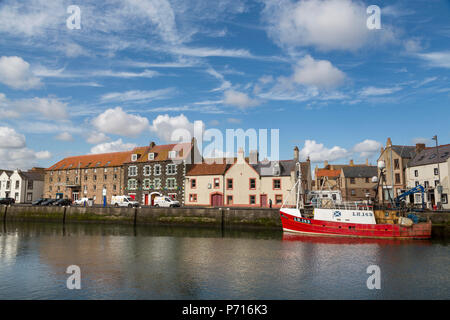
(328, 173)
(162, 152)
(112, 159)
(205, 169)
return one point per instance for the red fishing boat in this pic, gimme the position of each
(359, 220)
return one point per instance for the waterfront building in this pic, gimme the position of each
(244, 184)
(22, 186)
(93, 176)
(159, 170)
(329, 177)
(430, 168)
(356, 184)
(396, 158)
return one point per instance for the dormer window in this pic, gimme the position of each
(276, 169)
(134, 157)
(172, 154)
(151, 156)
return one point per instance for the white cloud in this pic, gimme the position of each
(50, 108)
(10, 139)
(14, 153)
(137, 95)
(239, 99)
(437, 59)
(97, 137)
(374, 91)
(325, 24)
(367, 148)
(124, 74)
(166, 126)
(319, 73)
(64, 136)
(234, 120)
(15, 73)
(117, 121)
(317, 152)
(114, 146)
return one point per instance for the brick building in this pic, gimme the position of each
(87, 176)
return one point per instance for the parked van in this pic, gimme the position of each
(165, 202)
(124, 201)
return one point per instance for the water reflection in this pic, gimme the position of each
(119, 261)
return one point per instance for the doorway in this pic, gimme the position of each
(263, 199)
(216, 200)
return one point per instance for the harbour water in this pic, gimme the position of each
(122, 262)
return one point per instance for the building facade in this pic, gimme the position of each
(430, 168)
(93, 176)
(357, 184)
(22, 186)
(396, 160)
(159, 170)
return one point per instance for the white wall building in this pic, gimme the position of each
(23, 187)
(430, 168)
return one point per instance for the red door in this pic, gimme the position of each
(146, 199)
(217, 200)
(132, 196)
(263, 199)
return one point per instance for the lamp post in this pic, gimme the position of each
(438, 187)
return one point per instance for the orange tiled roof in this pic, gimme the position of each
(162, 152)
(328, 173)
(112, 159)
(205, 169)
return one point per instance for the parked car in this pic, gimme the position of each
(7, 201)
(80, 202)
(123, 201)
(38, 201)
(62, 202)
(48, 202)
(166, 202)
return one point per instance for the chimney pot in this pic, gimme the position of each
(389, 142)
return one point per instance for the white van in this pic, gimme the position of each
(124, 201)
(165, 202)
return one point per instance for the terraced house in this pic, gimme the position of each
(88, 176)
(22, 186)
(159, 170)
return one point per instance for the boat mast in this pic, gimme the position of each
(300, 204)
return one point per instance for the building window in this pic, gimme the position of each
(193, 183)
(397, 178)
(396, 164)
(229, 200)
(252, 183)
(417, 183)
(416, 173)
(352, 192)
(367, 180)
(436, 171)
(95, 177)
(8, 184)
(30, 185)
(50, 188)
(17, 184)
(157, 183)
(95, 187)
(436, 182)
(132, 184)
(252, 199)
(277, 184)
(105, 177)
(417, 198)
(172, 154)
(85, 189)
(114, 187)
(157, 170)
(147, 170)
(229, 184)
(134, 157)
(216, 183)
(352, 180)
(444, 198)
(278, 199)
(30, 196)
(85, 178)
(151, 156)
(193, 197)
(171, 169)
(426, 184)
(171, 183)
(146, 184)
(132, 171)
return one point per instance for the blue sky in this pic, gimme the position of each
(138, 70)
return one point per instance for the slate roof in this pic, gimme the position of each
(360, 172)
(265, 169)
(407, 152)
(8, 172)
(36, 176)
(429, 156)
(205, 169)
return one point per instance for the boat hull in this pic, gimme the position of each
(293, 224)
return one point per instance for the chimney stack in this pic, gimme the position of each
(152, 144)
(352, 163)
(367, 162)
(296, 154)
(240, 156)
(325, 164)
(254, 155)
(389, 142)
(419, 147)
